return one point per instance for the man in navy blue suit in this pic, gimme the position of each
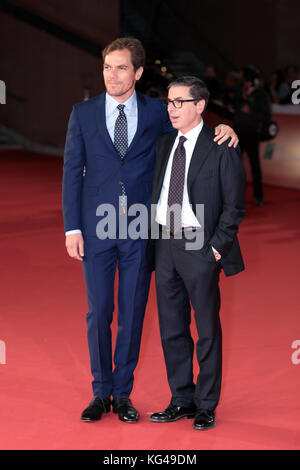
(109, 159)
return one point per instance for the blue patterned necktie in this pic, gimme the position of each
(121, 144)
(175, 195)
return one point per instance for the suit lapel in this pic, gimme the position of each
(141, 119)
(162, 160)
(141, 122)
(101, 117)
(200, 154)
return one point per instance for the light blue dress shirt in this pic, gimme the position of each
(111, 114)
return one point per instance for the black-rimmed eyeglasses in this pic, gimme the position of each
(177, 103)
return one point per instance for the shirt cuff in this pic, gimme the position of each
(70, 232)
(215, 251)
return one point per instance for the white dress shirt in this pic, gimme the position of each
(188, 217)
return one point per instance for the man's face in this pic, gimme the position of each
(119, 75)
(189, 115)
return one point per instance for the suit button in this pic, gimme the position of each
(122, 162)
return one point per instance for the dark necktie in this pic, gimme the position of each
(121, 144)
(121, 132)
(175, 195)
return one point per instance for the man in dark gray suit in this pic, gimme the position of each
(191, 172)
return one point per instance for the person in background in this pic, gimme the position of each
(212, 82)
(249, 118)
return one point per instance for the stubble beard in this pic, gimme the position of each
(116, 92)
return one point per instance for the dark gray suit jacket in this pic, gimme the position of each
(217, 179)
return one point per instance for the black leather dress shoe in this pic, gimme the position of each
(173, 413)
(95, 409)
(125, 410)
(204, 419)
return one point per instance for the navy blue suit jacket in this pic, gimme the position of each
(88, 144)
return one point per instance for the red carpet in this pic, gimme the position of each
(45, 383)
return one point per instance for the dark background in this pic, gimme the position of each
(51, 50)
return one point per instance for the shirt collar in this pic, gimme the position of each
(193, 134)
(130, 104)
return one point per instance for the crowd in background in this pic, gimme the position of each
(244, 98)
(228, 92)
(278, 86)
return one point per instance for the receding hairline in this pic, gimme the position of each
(119, 50)
(182, 86)
(133, 45)
(197, 88)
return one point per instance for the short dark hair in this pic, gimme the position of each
(135, 47)
(198, 89)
